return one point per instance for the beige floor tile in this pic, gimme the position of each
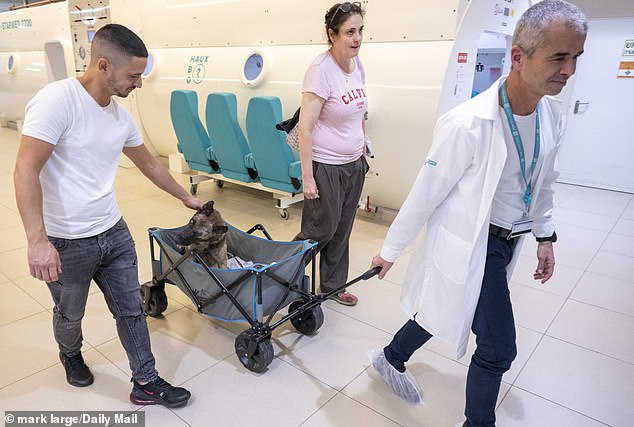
(27, 348)
(605, 292)
(619, 244)
(234, 396)
(15, 304)
(379, 304)
(48, 389)
(600, 202)
(12, 238)
(441, 380)
(37, 290)
(628, 212)
(589, 383)
(8, 201)
(343, 339)
(343, 411)
(624, 227)
(520, 408)
(184, 344)
(612, 265)
(594, 328)
(14, 264)
(579, 235)
(583, 219)
(10, 219)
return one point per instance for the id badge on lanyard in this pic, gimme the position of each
(525, 224)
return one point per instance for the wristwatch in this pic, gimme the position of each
(552, 238)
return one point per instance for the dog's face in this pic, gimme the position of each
(204, 229)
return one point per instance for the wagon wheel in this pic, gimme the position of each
(219, 183)
(261, 357)
(154, 299)
(309, 321)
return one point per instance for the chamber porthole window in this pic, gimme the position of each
(150, 66)
(253, 68)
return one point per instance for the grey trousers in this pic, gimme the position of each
(328, 219)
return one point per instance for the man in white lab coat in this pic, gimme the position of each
(486, 183)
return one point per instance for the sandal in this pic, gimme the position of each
(345, 298)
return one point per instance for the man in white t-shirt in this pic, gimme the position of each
(73, 136)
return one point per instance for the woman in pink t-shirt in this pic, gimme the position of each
(331, 140)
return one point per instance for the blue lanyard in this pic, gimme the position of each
(518, 144)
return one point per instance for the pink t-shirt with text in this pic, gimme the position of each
(338, 134)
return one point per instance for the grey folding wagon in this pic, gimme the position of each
(253, 294)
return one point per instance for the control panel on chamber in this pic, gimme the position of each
(86, 17)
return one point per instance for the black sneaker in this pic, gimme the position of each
(159, 392)
(77, 373)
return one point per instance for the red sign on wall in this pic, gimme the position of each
(462, 57)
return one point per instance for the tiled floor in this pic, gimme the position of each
(575, 365)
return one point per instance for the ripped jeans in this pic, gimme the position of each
(110, 260)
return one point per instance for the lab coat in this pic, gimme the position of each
(452, 195)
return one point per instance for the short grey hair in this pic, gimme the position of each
(531, 29)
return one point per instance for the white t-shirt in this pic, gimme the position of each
(338, 134)
(78, 179)
(508, 204)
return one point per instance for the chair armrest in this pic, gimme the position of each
(209, 153)
(249, 161)
(295, 170)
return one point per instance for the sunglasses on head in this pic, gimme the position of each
(345, 8)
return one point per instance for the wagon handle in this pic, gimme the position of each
(365, 276)
(370, 273)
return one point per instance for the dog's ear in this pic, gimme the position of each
(208, 208)
(220, 229)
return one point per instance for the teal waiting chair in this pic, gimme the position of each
(230, 146)
(193, 140)
(278, 164)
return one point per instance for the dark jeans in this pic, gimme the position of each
(328, 219)
(110, 259)
(494, 328)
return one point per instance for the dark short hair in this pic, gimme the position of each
(338, 14)
(121, 39)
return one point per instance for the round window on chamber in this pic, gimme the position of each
(12, 64)
(254, 68)
(149, 68)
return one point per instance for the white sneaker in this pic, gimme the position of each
(403, 384)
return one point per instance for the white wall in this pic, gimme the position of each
(598, 149)
(405, 51)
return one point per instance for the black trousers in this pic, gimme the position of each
(494, 328)
(328, 219)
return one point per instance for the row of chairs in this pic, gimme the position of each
(221, 151)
